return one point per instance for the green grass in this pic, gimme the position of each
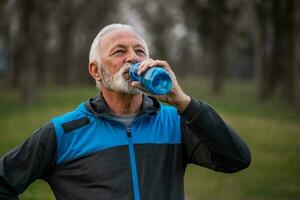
(271, 129)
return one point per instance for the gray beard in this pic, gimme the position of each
(117, 81)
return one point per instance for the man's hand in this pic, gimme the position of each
(176, 96)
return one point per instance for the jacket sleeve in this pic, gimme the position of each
(27, 162)
(210, 142)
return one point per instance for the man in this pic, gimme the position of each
(123, 144)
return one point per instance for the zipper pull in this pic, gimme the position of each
(128, 132)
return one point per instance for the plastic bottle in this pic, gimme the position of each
(155, 80)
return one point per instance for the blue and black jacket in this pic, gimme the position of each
(86, 154)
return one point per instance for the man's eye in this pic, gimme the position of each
(140, 51)
(120, 51)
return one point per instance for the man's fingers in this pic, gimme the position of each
(146, 64)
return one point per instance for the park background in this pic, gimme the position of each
(240, 56)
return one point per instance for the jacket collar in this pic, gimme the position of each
(99, 107)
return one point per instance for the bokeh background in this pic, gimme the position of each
(240, 56)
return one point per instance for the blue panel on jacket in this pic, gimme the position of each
(102, 133)
(163, 128)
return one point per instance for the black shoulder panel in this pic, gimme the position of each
(75, 124)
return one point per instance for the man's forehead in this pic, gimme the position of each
(117, 37)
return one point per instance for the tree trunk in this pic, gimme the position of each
(259, 62)
(16, 59)
(283, 58)
(28, 76)
(65, 24)
(218, 64)
(296, 63)
(260, 54)
(34, 49)
(29, 82)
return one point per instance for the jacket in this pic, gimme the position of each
(86, 154)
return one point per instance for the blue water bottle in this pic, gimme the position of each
(155, 80)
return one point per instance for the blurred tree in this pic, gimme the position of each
(262, 42)
(275, 48)
(76, 23)
(164, 26)
(26, 34)
(62, 30)
(9, 25)
(282, 54)
(64, 20)
(158, 19)
(214, 21)
(26, 39)
(90, 18)
(296, 63)
(50, 41)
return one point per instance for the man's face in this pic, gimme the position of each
(117, 49)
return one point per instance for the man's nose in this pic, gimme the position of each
(132, 57)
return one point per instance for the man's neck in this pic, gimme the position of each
(121, 104)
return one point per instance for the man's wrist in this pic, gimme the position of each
(182, 103)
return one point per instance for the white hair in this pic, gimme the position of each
(95, 54)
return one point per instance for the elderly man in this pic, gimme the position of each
(123, 144)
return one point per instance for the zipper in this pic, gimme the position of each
(134, 175)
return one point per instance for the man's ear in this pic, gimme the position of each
(94, 71)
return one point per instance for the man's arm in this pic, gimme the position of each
(27, 162)
(210, 142)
